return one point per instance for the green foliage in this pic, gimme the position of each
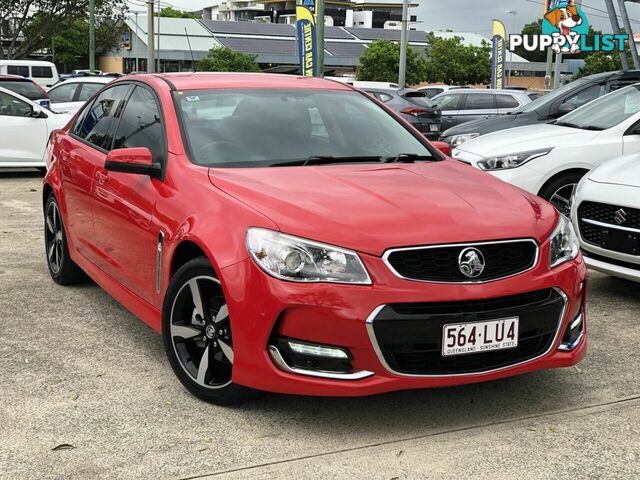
(175, 13)
(599, 62)
(381, 62)
(453, 63)
(226, 60)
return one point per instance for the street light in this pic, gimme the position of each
(514, 13)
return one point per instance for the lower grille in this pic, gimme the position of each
(409, 336)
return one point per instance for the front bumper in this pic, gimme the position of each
(337, 315)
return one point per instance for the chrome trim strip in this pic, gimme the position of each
(609, 225)
(159, 249)
(275, 355)
(568, 347)
(385, 259)
(376, 346)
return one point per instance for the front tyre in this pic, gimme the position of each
(559, 191)
(196, 329)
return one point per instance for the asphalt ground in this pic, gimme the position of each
(86, 392)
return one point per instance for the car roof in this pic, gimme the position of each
(14, 78)
(224, 80)
(101, 80)
(26, 62)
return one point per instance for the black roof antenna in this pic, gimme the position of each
(193, 61)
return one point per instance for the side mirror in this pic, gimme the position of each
(38, 112)
(137, 161)
(565, 108)
(443, 147)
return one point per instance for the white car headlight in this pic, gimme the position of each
(564, 243)
(515, 160)
(291, 258)
(457, 140)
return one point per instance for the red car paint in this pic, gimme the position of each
(113, 221)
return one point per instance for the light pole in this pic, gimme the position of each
(402, 74)
(92, 35)
(514, 13)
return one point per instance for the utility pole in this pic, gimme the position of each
(92, 35)
(629, 31)
(320, 36)
(613, 18)
(402, 74)
(151, 61)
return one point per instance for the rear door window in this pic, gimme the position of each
(452, 101)
(506, 101)
(63, 93)
(480, 101)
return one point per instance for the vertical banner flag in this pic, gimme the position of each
(499, 55)
(307, 42)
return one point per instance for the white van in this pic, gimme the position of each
(43, 73)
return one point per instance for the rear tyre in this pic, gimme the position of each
(63, 270)
(559, 191)
(198, 341)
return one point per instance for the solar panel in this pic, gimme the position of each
(250, 28)
(341, 49)
(387, 34)
(336, 32)
(259, 45)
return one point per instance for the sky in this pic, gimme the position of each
(469, 15)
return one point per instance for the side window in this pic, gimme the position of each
(88, 90)
(21, 70)
(384, 97)
(63, 93)
(480, 101)
(432, 92)
(10, 106)
(96, 125)
(141, 124)
(586, 96)
(449, 102)
(507, 101)
(41, 72)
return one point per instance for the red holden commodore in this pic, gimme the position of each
(294, 235)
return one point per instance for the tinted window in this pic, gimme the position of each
(418, 98)
(21, 70)
(432, 92)
(41, 72)
(140, 125)
(63, 93)
(268, 127)
(586, 96)
(448, 102)
(26, 89)
(89, 90)
(606, 112)
(480, 101)
(96, 126)
(507, 101)
(12, 107)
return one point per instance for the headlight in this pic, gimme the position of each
(515, 160)
(295, 259)
(564, 243)
(457, 140)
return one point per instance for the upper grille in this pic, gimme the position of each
(409, 336)
(440, 263)
(600, 212)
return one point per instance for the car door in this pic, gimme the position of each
(124, 203)
(450, 104)
(82, 153)
(23, 137)
(62, 96)
(478, 106)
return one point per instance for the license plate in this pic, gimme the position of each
(621, 241)
(434, 127)
(477, 337)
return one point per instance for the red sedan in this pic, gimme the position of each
(294, 235)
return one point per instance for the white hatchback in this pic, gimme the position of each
(24, 130)
(549, 160)
(606, 213)
(69, 96)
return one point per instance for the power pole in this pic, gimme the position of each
(402, 74)
(613, 18)
(92, 35)
(151, 60)
(320, 36)
(627, 27)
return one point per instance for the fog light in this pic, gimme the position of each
(574, 333)
(317, 350)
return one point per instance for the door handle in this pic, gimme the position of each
(102, 178)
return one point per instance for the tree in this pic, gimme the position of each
(175, 13)
(226, 60)
(599, 62)
(381, 63)
(453, 63)
(34, 23)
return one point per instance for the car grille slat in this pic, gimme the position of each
(409, 336)
(603, 213)
(439, 263)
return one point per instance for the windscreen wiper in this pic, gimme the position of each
(328, 160)
(580, 127)
(409, 158)
(566, 124)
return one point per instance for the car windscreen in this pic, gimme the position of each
(26, 89)
(551, 97)
(605, 112)
(256, 128)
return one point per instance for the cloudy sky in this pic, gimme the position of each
(470, 15)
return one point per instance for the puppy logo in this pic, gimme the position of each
(564, 18)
